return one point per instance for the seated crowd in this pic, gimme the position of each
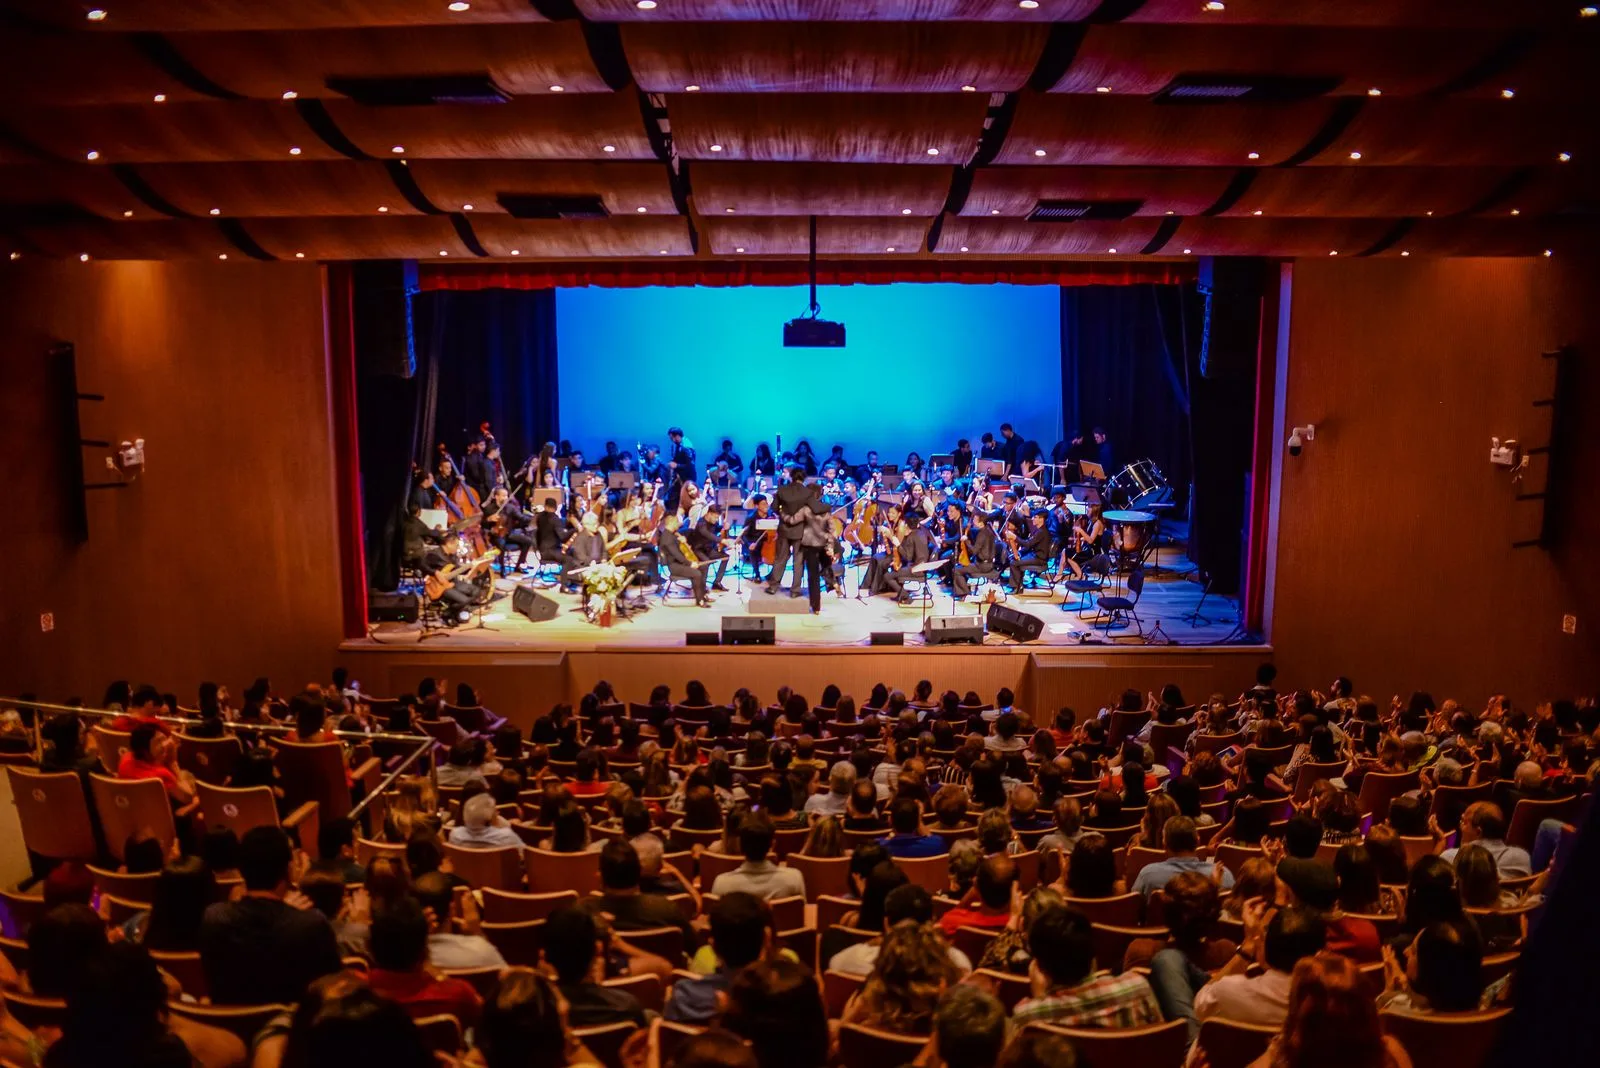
(776, 881)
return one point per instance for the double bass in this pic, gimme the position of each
(461, 501)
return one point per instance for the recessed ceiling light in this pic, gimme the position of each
(739, 249)
(1516, 211)
(1102, 88)
(610, 148)
(963, 248)
(1508, 94)
(1186, 252)
(1171, 212)
(299, 255)
(905, 211)
(1256, 212)
(691, 88)
(1428, 213)
(933, 151)
(1374, 91)
(558, 88)
(1214, 5)
(889, 249)
(994, 211)
(382, 209)
(466, 207)
(16, 256)
(83, 257)
(728, 210)
(1253, 155)
(291, 95)
(641, 209)
(1038, 152)
(1355, 155)
(661, 252)
(459, 6)
(1335, 252)
(216, 211)
(969, 88)
(96, 15)
(127, 214)
(1404, 253)
(516, 252)
(1548, 252)
(91, 155)
(1564, 157)
(1588, 12)
(222, 255)
(160, 98)
(294, 150)
(716, 148)
(442, 252)
(1111, 250)
(1027, 5)
(646, 5)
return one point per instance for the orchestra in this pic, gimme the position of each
(948, 519)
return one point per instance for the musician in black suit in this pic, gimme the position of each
(1010, 447)
(508, 527)
(1034, 554)
(914, 550)
(1059, 522)
(458, 594)
(475, 468)
(680, 559)
(422, 491)
(706, 541)
(588, 546)
(1009, 516)
(983, 550)
(680, 461)
(753, 538)
(415, 536)
(731, 458)
(791, 497)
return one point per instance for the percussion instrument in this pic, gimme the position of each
(1137, 479)
(1130, 531)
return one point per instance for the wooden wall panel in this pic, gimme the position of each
(219, 562)
(1394, 562)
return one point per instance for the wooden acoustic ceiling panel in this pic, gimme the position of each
(819, 188)
(178, 16)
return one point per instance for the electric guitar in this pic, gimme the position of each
(434, 585)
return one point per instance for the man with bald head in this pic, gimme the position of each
(988, 903)
(1484, 824)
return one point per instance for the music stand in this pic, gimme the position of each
(550, 498)
(622, 480)
(990, 468)
(891, 469)
(925, 573)
(434, 518)
(942, 459)
(730, 498)
(1091, 471)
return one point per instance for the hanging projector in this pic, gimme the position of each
(808, 331)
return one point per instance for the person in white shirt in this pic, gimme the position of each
(841, 780)
(1484, 824)
(758, 876)
(482, 827)
(909, 903)
(446, 948)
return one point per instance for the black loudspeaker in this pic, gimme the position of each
(749, 630)
(888, 637)
(952, 630)
(384, 338)
(392, 607)
(1233, 287)
(701, 637)
(1023, 626)
(533, 604)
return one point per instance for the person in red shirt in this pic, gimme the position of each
(988, 903)
(1314, 886)
(143, 707)
(1061, 729)
(401, 972)
(591, 774)
(152, 755)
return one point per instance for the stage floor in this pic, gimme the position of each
(1170, 592)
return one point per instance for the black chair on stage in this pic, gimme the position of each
(1119, 610)
(1093, 583)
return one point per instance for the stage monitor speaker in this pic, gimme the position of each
(1023, 626)
(701, 637)
(533, 604)
(749, 630)
(952, 630)
(1233, 287)
(888, 637)
(392, 607)
(384, 337)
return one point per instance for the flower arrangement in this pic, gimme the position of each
(604, 583)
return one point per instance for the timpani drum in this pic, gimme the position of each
(1130, 531)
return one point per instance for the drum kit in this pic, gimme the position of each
(1142, 494)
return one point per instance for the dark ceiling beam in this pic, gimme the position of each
(468, 236)
(134, 183)
(1242, 180)
(1344, 113)
(407, 186)
(1164, 232)
(316, 116)
(1390, 238)
(165, 55)
(1505, 189)
(240, 238)
(1496, 61)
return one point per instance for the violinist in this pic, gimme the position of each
(508, 526)
(983, 552)
(1059, 521)
(1087, 533)
(918, 505)
(706, 540)
(1033, 554)
(723, 476)
(949, 529)
(651, 469)
(729, 460)
(682, 561)
(756, 541)
(887, 537)
(980, 499)
(913, 550)
(1011, 517)
(946, 488)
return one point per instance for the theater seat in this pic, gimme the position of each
(1159, 1045)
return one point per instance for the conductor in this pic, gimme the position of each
(791, 497)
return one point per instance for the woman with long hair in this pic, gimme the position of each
(524, 1025)
(184, 889)
(1257, 877)
(1332, 1021)
(569, 832)
(913, 968)
(1157, 811)
(1091, 870)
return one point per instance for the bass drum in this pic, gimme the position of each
(1136, 480)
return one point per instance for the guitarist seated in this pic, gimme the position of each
(447, 580)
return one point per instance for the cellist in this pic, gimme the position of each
(759, 545)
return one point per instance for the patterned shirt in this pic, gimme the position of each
(1102, 1000)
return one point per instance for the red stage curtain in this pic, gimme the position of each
(691, 273)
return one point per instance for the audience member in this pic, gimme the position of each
(1066, 989)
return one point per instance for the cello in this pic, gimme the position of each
(461, 501)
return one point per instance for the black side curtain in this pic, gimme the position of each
(1124, 366)
(482, 356)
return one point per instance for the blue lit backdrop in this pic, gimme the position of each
(923, 365)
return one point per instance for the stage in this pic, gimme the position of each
(1171, 592)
